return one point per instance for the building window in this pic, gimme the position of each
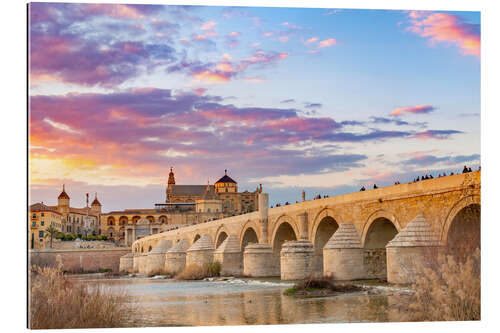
(42, 223)
(33, 224)
(40, 233)
(43, 214)
(34, 216)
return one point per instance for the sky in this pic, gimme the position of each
(325, 100)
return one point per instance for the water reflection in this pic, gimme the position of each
(173, 303)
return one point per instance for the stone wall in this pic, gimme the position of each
(375, 263)
(79, 260)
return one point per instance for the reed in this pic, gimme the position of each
(57, 302)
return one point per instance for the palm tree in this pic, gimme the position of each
(51, 232)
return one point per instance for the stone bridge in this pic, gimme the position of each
(377, 233)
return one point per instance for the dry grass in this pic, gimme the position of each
(450, 293)
(197, 272)
(57, 302)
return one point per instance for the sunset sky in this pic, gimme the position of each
(325, 100)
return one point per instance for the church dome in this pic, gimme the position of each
(225, 179)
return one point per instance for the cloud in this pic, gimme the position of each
(209, 28)
(327, 43)
(419, 109)
(224, 71)
(65, 47)
(447, 28)
(430, 160)
(311, 40)
(60, 126)
(312, 105)
(435, 134)
(291, 100)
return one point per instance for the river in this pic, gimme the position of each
(164, 302)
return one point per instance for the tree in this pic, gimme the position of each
(51, 232)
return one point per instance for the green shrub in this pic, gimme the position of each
(59, 235)
(69, 237)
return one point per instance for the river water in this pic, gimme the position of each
(163, 302)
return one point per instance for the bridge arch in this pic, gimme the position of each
(250, 233)
(463, 223)
(285, 229)
(220, 236)
(380, 228)
(324, 225)
(284, 218)
(379, 214)
(196, 237)
(325, 212)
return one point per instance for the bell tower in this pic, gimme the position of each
(171, 182)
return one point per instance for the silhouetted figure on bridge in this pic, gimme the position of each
(362, 188)
(465, 170)
(375, 186)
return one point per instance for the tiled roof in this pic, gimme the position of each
(63, 195)
(40, 207)
(81, 211)
(197, 190)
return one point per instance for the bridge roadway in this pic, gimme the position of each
(440, 210)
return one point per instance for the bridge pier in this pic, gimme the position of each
(414, 249)
(127, 263)
(175, 258)
(135, 267)
(201, 252)
(142, 258)
(258, 261)
(229, 255)
(296, 260)
(155, 262)
(263, 217)
(343, 254)
(303, 226)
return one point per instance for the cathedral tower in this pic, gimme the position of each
(171, 182)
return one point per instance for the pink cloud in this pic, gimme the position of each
(311, 40)
(419, 109)
(447, 28)
(327, 43)
(199, 91)
(235, 34)
(114, 10)
(209, 28)
(226, 56)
